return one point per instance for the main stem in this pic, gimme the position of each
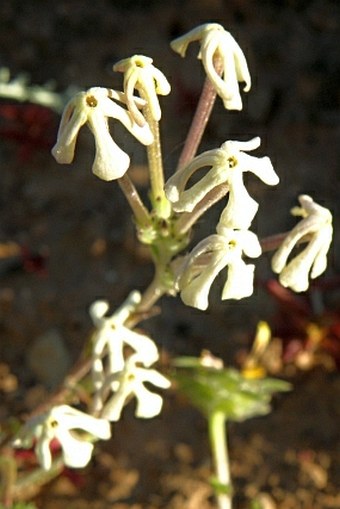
(219, 450)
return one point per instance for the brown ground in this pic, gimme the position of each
(79, 245)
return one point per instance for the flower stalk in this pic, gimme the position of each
(139, 210)
(200, 119)
(158, 199)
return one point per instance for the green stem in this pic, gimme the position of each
(219, 449)
(159, 201)
(152, 294)
(28, 484)
(140, 212)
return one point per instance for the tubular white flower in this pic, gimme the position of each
(217, 42)
(211, 256)
(61, 423)
(311, 261)
(111, 336)
(130, 383)
(228, 163)
(93, 108)
(142, 75)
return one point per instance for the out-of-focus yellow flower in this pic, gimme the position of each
(253, 367)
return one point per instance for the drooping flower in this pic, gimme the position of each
(142, 75)
(129, 383)
(316, 227)
(228, 163)
(216, 42)
(110, 338)
(67, 425)
(209, 258)
(93, 108)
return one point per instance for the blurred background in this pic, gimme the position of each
(66, 237)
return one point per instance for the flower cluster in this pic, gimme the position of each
(117, 377)
(232, 239)
(122, 358)
(114, 372)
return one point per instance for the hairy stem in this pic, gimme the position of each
(200, 120)
(140, 212)
(158, 199)
(273, 241)
(219, 450)
(188, 219)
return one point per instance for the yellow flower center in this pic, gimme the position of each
(232, 161)
(91, 101)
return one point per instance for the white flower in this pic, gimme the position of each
(130, 382)
(94, 107)
(228, 163)
(62, 423)
(111, 336)
(316, 226)
(140, 74)
(217, 42)
(211, 256)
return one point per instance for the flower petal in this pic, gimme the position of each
(149, 404)
(240, 281)
(110, 161)
(71, 418)
(42, 448)
(73, 118)
(241, 208)
(76, 453)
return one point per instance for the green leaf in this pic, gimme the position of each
(225, 390)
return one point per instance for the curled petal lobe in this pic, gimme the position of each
(73, 118)
(185, 200)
